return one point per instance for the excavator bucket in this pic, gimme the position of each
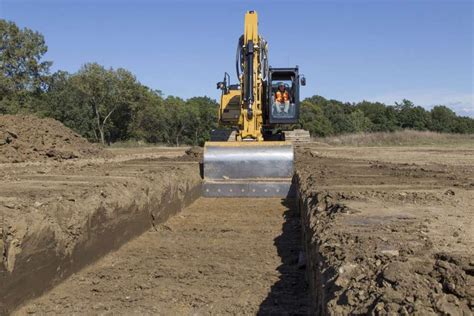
(248, 169)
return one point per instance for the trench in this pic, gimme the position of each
(42, 263)
(298, 289)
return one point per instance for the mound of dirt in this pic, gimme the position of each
(195, 152)
(29, 138)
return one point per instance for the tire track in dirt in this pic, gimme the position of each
(219, 256)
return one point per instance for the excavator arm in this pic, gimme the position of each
(251, 117)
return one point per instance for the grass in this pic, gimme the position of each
(399, 138)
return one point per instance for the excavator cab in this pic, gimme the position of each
(277, 113)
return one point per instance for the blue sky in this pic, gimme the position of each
(349, 50)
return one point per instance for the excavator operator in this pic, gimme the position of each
(282, 99)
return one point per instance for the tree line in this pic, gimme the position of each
(324, 117)
(109, 105)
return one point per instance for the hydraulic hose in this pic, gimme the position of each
(248, 97)
(238, 57)
(263, 59)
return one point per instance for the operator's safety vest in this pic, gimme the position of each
(281, 96)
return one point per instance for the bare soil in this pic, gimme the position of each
(29, 138)
(389, 230)
(57, 217)
(378, 230)
(218, 256)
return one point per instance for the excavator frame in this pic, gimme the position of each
(247, 163)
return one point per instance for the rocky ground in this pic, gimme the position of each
(389, 230)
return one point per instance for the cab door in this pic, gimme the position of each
(287, 81)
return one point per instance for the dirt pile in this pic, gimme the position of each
(192, 154)
(195, 152)
(29, 138)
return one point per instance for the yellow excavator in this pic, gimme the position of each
(253, 157)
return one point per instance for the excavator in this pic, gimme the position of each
(252, 156)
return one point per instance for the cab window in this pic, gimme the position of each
(282, 99)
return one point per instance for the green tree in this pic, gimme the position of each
(383, 118)
(411, 116)
(359, 122)
(98, 89)
(178, 120)
(204, 119)
(464, 125)
(443, 119)
(312, 119)
(64, 102)
(23, 74)
(108, 92)
(149, 119)
(338, 114)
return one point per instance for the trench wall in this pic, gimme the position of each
(362, 258)
(46, 258)
(319, 274)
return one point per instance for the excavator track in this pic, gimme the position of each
(297, 136)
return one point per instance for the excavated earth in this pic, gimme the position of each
(218, 256)
(26, 138)
(388, 230)
(373, 230)
(59, 217)
(64, 202)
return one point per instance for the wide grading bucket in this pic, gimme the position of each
(248, 169)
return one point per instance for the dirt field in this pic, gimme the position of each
(57, 217)
(383, 230)
(217, 257)
(389, 230)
